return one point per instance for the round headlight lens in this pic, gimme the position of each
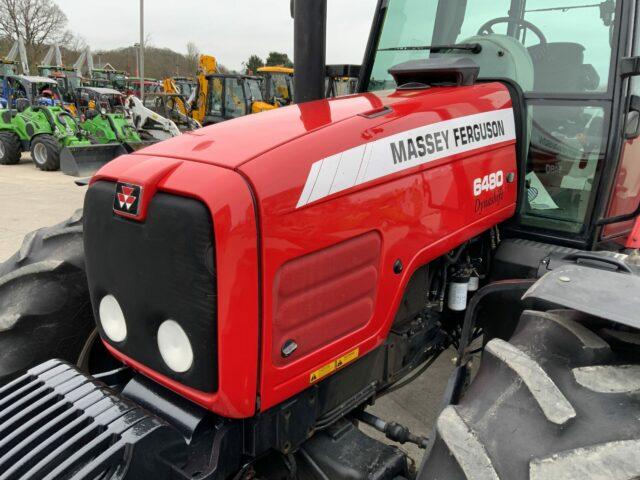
(112, 319)
(174, 346)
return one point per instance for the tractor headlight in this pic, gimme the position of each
(174, 346)
(112, 319)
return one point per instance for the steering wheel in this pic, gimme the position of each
(487, 29)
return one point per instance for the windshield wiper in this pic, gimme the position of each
(470, 47)
(563, 9)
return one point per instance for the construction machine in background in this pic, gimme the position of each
(10, 65)
(51, 133)
(262, 282)
(341, 80)
(108, 78)
(277, 84)
(222, 96)
(150, 85)
(198, 100)
(175, 101)
(232, 96)
(67, 78)
(104, 120)
(151, 125)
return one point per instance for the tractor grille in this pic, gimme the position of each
(56, 423)
(159, 269)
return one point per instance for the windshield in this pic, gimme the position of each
(279, 87)
(254, 90)
(544, 45)
(185, 88)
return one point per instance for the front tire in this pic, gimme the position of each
(45, 152)
(10, 148)
(555, 402)
(45, 310)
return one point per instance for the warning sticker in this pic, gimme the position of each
(348, 358)
(333, 366)
(322, 372)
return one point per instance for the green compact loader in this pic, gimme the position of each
(45, 130)
(104, 120)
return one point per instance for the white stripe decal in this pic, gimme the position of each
(405, 150)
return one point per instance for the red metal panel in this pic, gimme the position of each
(420, 213)
(229, 144)
(325, 295)
(626, 191)
(231, 205)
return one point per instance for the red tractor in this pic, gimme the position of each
(260, 282)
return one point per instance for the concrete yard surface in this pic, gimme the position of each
(32, 199)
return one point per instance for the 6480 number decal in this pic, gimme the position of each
(488, 183)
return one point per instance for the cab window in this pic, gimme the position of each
(235, 105)
(215, 96)
(542, 46)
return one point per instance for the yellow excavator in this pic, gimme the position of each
(277, 84)
(178, 91)
(221, 96)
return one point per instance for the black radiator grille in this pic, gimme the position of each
(159, 269)
(56, 423)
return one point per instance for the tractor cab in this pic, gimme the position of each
(37, 90)
(564, 62)
(277, 86)
(150, 85)
(185, 86)
(67, 79)
(233, 96)
(100, 99)
(108, 78)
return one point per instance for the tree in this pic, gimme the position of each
(277, 58)
(252, 65)
(193, 57)
(37, 22)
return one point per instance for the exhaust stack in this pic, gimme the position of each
(309, 49)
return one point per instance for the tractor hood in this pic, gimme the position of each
(232, 143)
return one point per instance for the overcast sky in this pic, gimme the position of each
(231, 30)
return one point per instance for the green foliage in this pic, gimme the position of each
(251, 66)
(277, 58)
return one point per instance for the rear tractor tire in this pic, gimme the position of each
(10, 148)
(45, 152)
(45, 310)
(555, 402)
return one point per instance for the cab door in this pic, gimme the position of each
(625, 194)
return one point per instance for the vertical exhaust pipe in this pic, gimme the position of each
(309, 48)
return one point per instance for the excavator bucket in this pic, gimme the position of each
(86, 160)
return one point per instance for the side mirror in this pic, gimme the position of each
(632, 120)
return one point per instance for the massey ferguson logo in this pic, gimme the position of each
(127, 199)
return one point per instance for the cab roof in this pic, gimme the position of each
(33, 79)
(102, 90)
(276, 69)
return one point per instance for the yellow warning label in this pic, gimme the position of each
(349, 357)
(322, 372)
(332, 366)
